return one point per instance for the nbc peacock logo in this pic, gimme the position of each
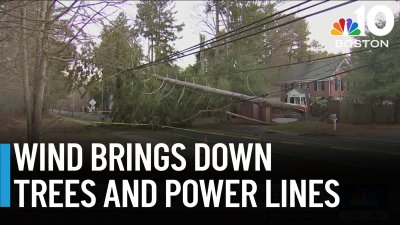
(345, 27)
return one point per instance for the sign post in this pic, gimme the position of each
(91, 106)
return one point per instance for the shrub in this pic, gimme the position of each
(319, 108)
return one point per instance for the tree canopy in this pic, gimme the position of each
(382, 81)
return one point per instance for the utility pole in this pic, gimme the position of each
(230, 94)
(216, 18)
(202, 57)
(216, 27)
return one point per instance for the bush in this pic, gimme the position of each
(319, 108)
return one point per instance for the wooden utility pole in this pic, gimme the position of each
(202, 55)
(230, 94)
(216, 18)
(216, 27)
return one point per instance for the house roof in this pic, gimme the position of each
(312, 71)
(297, 91)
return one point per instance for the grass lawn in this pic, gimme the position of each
(62, 129)
(54, 129)
(315, 128)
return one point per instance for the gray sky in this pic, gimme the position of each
(190, 13)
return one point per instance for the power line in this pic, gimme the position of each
(389, 59)
(233, 32)
(169, 57)
(315, 69)
(227, 42)
(262, 31)
(246, 36)
(296, 63)
(263, 51)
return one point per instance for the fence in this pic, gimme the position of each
(365, 113)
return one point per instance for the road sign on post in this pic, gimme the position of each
(91, 106)
(92, 102)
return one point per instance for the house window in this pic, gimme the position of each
(318, 85)
(301, 85)
(294, 100)
(338, 85)
(303, 100)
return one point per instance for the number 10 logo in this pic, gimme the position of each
(349, 27)
(371, 15)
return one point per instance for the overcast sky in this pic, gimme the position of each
(190, 13)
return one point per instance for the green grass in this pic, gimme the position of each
(305, 128)
(316, 128)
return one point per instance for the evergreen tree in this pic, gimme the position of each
(118, 51)
(382, 81)
(157, 23)
(286, 44)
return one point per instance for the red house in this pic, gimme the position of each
(316, 78)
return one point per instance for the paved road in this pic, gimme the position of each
(363, 143)
(355, 153)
